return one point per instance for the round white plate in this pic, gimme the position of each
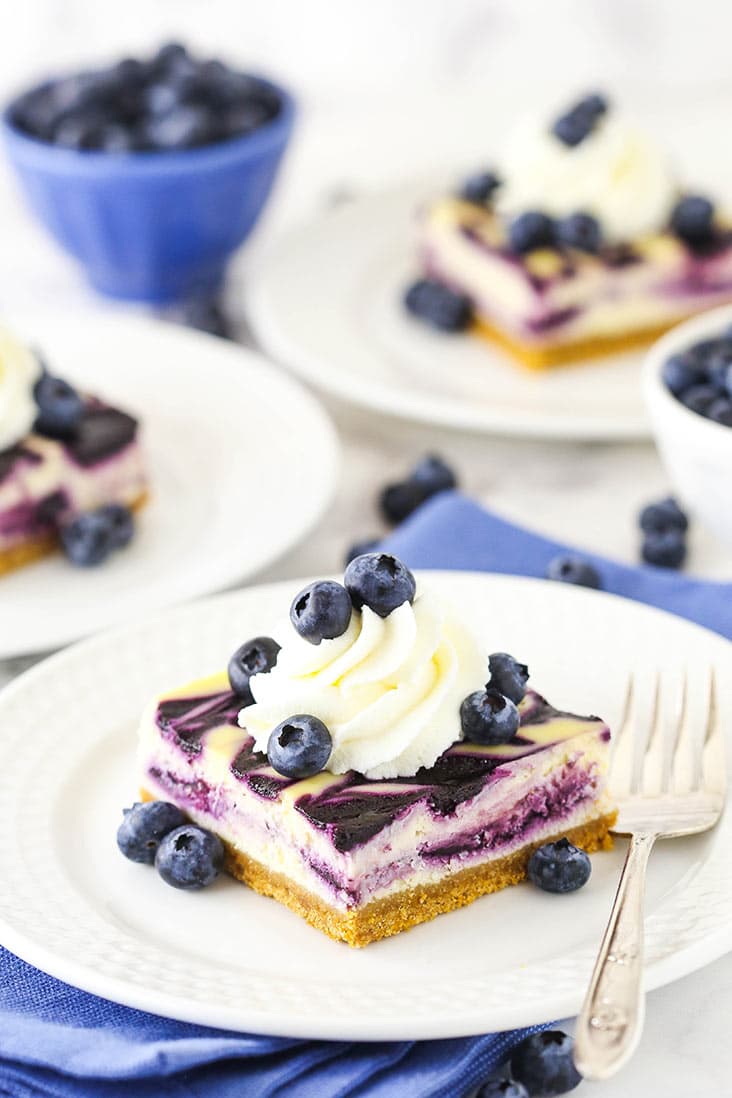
(242, 463)
(71, 905)
(327, 303)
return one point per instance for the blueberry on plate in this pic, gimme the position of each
(60, 407)
(190, 857)
(570, 569)
(529, 231)
(508, 676)
(443, 308)
(699, 398)
(143, 828)
(664, 548)
(664, 515)
(580, 231)
(559, 867)
(502, 1088)
(87, 539)
(544, 1064)
(720, 411)
(299, 747)
(321, 611)
(488, 717)
(254, 657)
(121, 523)
(681, 372)
(692, 219)
(368, 545)
(379, 581)
(480, 188)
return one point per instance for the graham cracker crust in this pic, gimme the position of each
(408, 908)
(563, 354)
(36, 548)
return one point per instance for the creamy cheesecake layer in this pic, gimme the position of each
(555, 296)
(352, 842)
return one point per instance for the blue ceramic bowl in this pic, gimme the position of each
(152, 226)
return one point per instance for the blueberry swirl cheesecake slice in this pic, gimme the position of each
(376, 769)
(582, 242)
(71, 466)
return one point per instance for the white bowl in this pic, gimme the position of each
(696, 452)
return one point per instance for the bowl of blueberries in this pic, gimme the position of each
(150, 172)
(688, 390)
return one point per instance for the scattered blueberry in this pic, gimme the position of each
(121, 522)
(502, 1088)
(429, 476)
(664, 515)
(379, 581)
(190, 857)
(720, 411)
(699, 398)
(433, 475)
(321, 611)
(692, 219)
(578, 123)
(568, 569)
(60, 407)
(487, 717)
(681, 372)
(664, 548)
(368, 545)
(559, 867)
(480, 188)
(143, 828)
(543, 1063)
(255, 657)
(299, 747)
(443, 308)
(508, 676)
(87, 539)
(530, 230)
(580, 231)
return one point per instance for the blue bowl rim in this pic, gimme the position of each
(99, 162)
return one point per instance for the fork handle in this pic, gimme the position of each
(610, 1022)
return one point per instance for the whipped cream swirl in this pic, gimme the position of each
(616, 173)
(389, 689)
(19, 371)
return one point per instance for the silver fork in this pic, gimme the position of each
(673, 785)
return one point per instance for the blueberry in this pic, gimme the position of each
(79, 131)
(718, 366)
(207, 315)
(433, 475)
(379, 581)
(681, 372)
(502, 1088)
(480, 188)
(569, 569)
(559, 867)
(664, 515)
(299, 747)
(255, 657)
(368, 545)
(60, 407)
(144, 826)
(190, 857)
(121, 522)
(530, 230)
(664, 548)
(720, 411)
(580, 231)
(692, 219)
(398, 501)
(543, 1063)
(443, 308)
(488, 717)
(87, 539)
(508, 676)
(321, 611)
(577, 123)
(699, 398)
(184, 127)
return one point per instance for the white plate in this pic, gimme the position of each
(327, 303)
(242, 463)
(70, 904)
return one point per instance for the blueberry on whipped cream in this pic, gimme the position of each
(60, 407)
(480, 188)
(580, 120)
(299, 747)
(254, 657)
(322, 611)
(380, 582)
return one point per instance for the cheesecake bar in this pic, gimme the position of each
(357, 776)
(582, 243)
